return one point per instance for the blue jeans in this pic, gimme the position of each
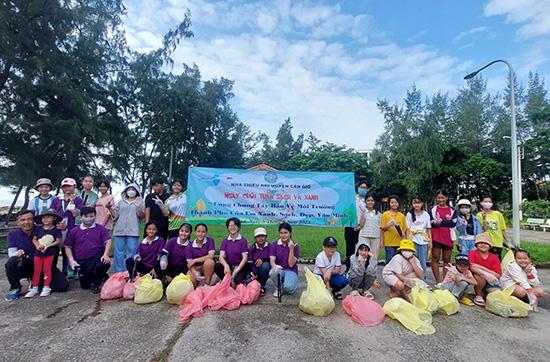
(467, 245)
(338, 282)
(422, 255)
(124, 245)
(458, 290)
(390, 253)
(262, 272)
(288, 278)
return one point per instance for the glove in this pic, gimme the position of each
(409, 282)
(137, 257)
(391, 223)
(163, 262)
(73, 264)
(360, 259)
(198, 276)
(533, 300)
(277, 269)
(235, 271)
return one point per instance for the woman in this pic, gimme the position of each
(233, 253)
(105, 205)
(284, 254)
(174, 208)
(443, 219)
(351, 233)
(393, 227)
(128, 215)
(494, 225)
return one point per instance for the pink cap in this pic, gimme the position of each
(68, 182)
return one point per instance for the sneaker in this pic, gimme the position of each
(262, 292)
(479, 301)
(14, 295)
(467, 301)
(31, 293)
(276, 293)
(368, 295)
(46, 291)
(95, 289)
(354, 292)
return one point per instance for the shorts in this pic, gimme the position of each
(491, 286)
(390, 279)
(497, 251)
(438, 245)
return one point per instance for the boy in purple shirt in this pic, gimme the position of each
(258, 258)
(148, 253)
(87, 247)
(233, 253)
(173, 260)
(200, 256)
(283, 256)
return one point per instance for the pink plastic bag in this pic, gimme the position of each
(112, 289)
(226, 297)
(192, 306)
(250, 293)
(363, 310)
(129, 290)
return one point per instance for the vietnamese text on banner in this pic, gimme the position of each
(265, 196)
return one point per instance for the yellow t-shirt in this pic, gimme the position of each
(496, 223)
(391, 236)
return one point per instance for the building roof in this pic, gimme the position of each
(263, 166)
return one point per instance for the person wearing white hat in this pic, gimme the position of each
(44, 200)
(468, 226)
(258, 258)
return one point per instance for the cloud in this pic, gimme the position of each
(470, 32)
(534, 14)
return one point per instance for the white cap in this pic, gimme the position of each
(260, 231)
(464, 202)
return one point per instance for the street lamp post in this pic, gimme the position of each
(515, 160)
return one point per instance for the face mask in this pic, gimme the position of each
(88, 220)
(362, 192)
(407, 254)
(464, 211)
(131, 193)
(487, 205)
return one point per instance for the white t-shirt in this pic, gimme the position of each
(321, 261)
(421, 223)
(360, 205)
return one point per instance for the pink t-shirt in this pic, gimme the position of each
(450, 276)
(442, 234)
(400, 265)
(101, 211)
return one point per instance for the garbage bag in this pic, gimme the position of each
(148, 290)
(316, 300)
(502, 303)
(446, 301)
(411, 317)
(422, 297)
(249, 293)
(226, 297)
(508, 258)
(178, 289)
(112, 289)
(363, 311)
(129, 290)
(192, 306)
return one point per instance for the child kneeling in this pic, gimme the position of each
(361, 274)
(523, 274)
(459, 280)
(328, 265)
(402, 269)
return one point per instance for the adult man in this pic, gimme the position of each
(21, 252)
(152, 209)
(87, 247)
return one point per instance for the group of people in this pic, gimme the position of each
(79, 223)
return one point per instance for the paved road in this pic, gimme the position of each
(77, 326)
(532, 235)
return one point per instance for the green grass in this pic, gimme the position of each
(310, 239)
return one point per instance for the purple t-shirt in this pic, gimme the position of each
(234, 250)
(177, 253)
(280, 252)
(87, 242)
(19, 239)
(60, 205)
(39, 232)
(254, 252)
(150, 252)
(194, 252)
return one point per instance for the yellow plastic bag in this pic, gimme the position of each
(504, 304)
(148, 290)
(508, 258)
(447, 303)
(316, 300)
(411, 317)
(422, 297)
(179, 289)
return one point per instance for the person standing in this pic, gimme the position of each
(351, 233)
(44, 200)
(494, 225)
(105, 205)
(154, 203)
(443, 220)
(174, 208)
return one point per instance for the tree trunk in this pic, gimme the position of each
(27, 196)
(10, 211)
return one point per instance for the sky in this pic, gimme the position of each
(325, 64)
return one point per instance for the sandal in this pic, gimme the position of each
(337, 295)
(368, 295)
(375, 284)
(479, 301)
(393, 295)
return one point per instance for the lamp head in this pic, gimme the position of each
(471, 75)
